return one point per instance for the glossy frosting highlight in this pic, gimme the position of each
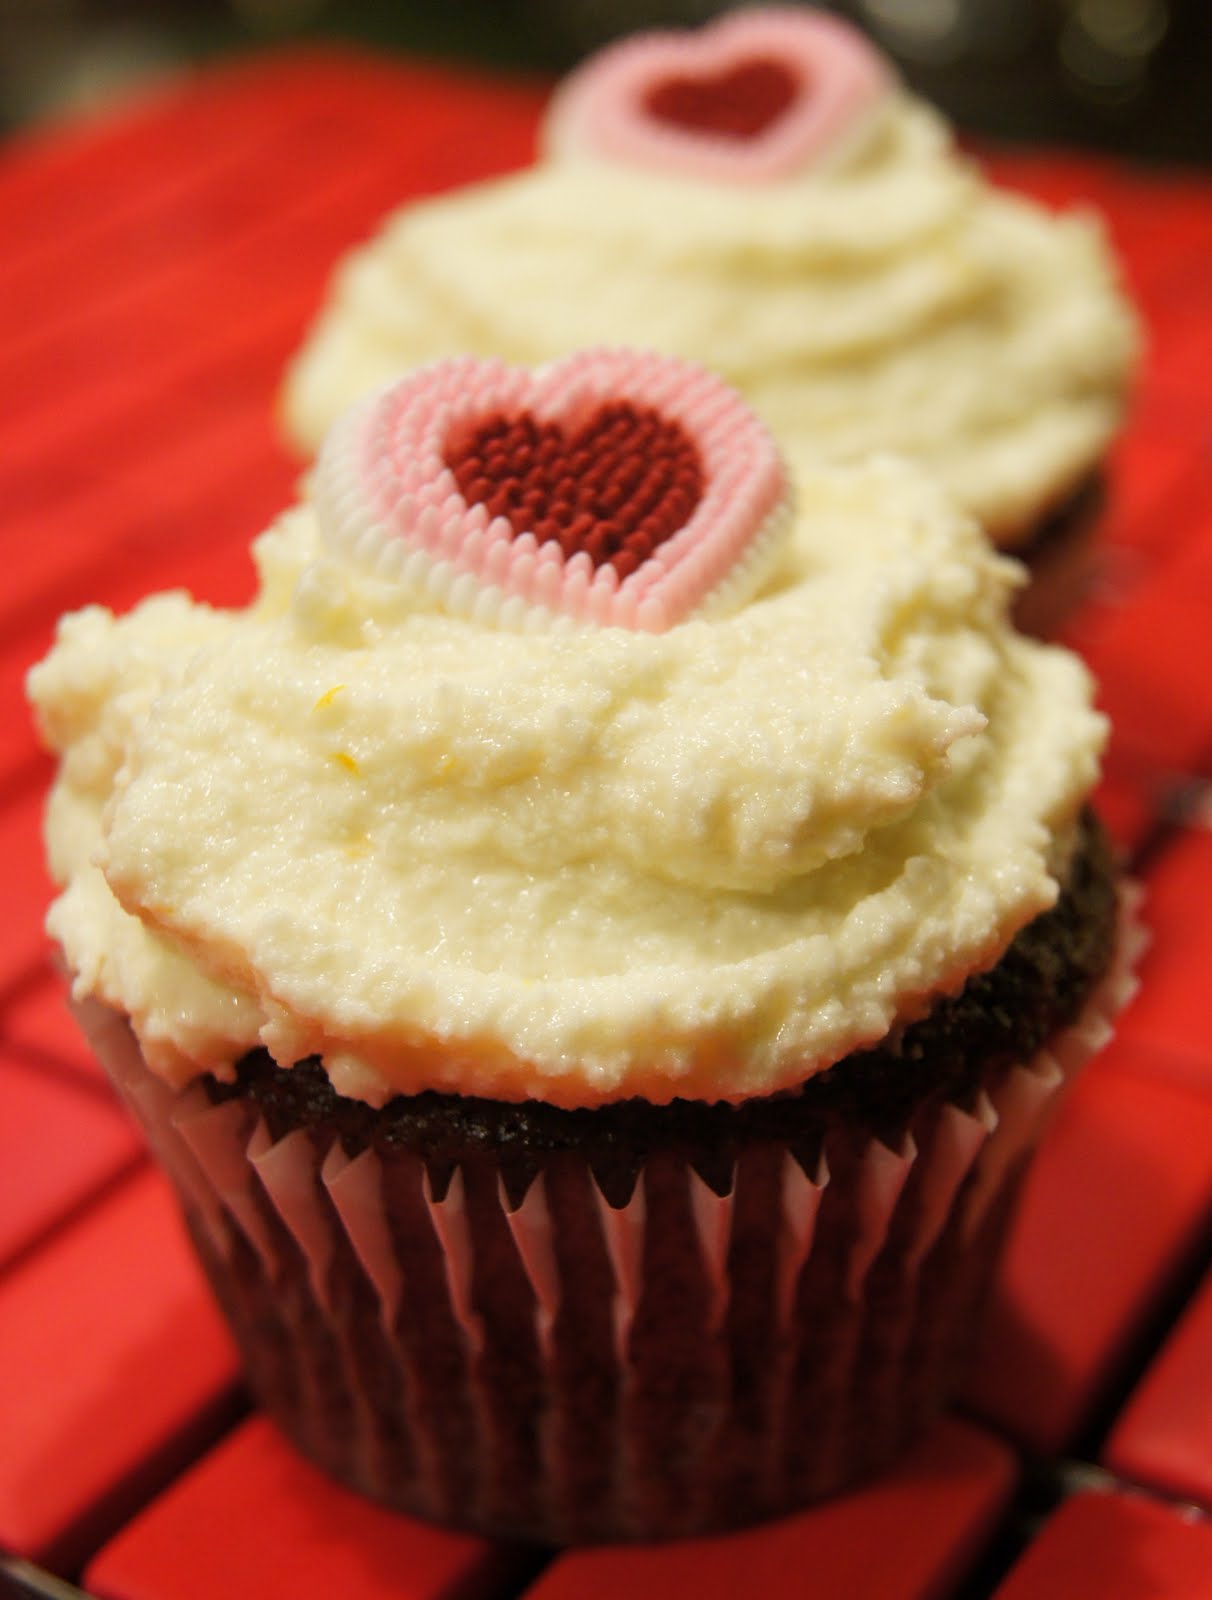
(576, 865)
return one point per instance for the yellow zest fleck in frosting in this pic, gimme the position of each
(575, 865)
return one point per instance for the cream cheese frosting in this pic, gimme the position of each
(887, 300)
(576, 865)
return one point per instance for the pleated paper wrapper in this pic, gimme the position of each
(567, 1370)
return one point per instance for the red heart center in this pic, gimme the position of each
(739, 103)
(617, 488)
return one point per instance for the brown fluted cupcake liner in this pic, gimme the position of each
(565, 1369)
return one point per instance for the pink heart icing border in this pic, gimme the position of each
(388, 503)
(597, 110)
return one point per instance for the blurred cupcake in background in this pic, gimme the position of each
(764, 196)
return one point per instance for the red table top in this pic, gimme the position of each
(156, 268)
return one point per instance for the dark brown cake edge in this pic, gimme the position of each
(1000, 1018)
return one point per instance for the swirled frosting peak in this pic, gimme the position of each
(867, 290)
(616, 486)
(578, 863)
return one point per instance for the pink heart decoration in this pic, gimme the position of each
(759, 95)
(741, 102)
(616, 487)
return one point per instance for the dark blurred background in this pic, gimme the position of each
(1133, 76)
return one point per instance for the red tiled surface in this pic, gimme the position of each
(1161, 710)
(61, 1141)
(156, 269)
(1130, 798)
(911, 1535)
(1118, 1200)
(36, 1025)
(1115, 1547)
(112, 1362)
(1163, 1437)
(26, 888)
(278, 1530)
(1152, 474)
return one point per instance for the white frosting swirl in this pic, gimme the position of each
(576, 866)
(891, 300)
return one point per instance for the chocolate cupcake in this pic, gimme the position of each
(594, 944)
(765, 197)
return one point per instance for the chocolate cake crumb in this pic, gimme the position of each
(999, 1018)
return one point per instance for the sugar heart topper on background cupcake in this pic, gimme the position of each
(756, 96)
(615, 487)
